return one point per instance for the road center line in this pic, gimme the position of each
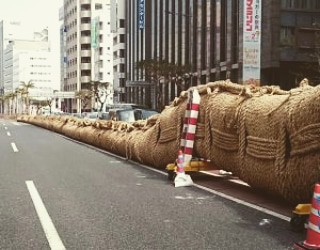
(46, 222)
(14, 147)
(8, 133)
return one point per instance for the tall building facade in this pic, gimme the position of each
(24, 56)
(10, 30)
(118, 24)
(87, 47)
(25, 61)
(209, 36)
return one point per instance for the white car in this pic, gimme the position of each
(92, 116)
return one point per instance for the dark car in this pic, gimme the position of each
(103, 115)
(143, 114)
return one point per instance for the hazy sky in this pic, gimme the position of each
(36, 14)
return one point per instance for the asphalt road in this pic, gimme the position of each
(59, 194)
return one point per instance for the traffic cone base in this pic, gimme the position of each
(312, 241)
(183, 180)
(301, 246)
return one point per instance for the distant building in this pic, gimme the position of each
(87, 48)
(118, 24)
(25, 61)
(41, 35)
(10, 30)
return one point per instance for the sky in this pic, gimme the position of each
(37, 15)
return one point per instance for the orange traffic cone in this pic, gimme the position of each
(180, 162)
(313, 232)
(182, 179)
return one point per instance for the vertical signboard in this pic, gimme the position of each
(94, 33)
(141, 13)
(251, 41)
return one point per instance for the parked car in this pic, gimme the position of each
(126, 115)
(143, 114)
(103, 115)
(130, 115)
(92, 116)
(123, 106)
(78, 115)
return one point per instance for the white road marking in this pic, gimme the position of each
(16, 123)
(5, 128)
(46, 222)
(8, 133)
(14, 147)
(261, 209)
(228, 197)
(221, 176)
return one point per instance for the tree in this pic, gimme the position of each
(100, 91)
(161, 72)
(84, 96)
(49, 103)
(26, 86)
(9, 98)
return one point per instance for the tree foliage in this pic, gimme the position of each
(160, 72)
(84, 95)
(153, 69)
(99, 90)
(25, 91)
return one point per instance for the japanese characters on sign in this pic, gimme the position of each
(141, 9)
(251, 41)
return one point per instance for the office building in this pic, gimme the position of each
(119, 32)
(87, 48)
(25, 61)
(268, 42)
(10, 30)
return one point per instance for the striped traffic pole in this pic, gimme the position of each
(190, 124)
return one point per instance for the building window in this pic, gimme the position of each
(287, 36)
(122, 38)
(98, 6)
(122, 53)
(121, 68)
(298, 4)
(121, 23)
(287, 4)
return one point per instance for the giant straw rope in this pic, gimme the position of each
(268, 137)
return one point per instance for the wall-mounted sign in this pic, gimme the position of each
(141, 10)
(251, 41)
(94, 33)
